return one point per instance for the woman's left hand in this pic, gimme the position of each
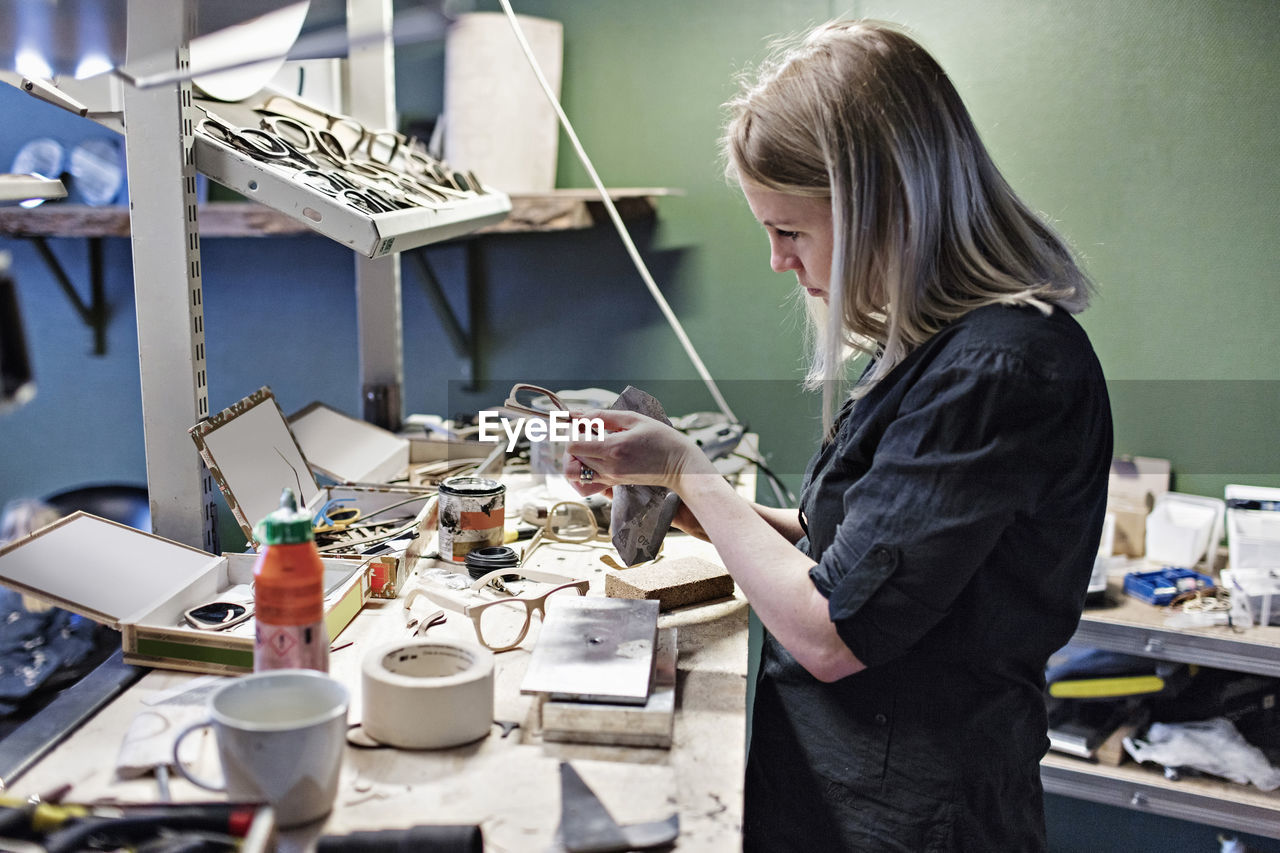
(635, 449)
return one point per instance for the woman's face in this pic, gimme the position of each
(800, 235)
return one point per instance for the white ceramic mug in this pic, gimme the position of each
(281, 735)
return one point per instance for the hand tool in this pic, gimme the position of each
(438, 839)
(587, 827)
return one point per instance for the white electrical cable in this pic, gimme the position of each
(672, 320)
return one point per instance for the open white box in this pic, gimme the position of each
(141, 584)
(347, 449)
(1184, 530)
(253, 455)
(1253, 535)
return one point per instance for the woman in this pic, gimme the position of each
(948, 522)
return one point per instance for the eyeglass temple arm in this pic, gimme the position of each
(514, 405)
(436, 597)
(521, 572)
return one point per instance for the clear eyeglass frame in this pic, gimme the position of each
(572, 522)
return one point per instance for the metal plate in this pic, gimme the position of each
(650, 724)
(595, 650)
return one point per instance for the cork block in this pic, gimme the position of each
(672, 583)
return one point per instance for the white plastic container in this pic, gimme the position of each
(1253, 535)
(1182, 530)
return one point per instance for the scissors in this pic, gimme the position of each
(384, 154)
(370, 183)
(333, 516)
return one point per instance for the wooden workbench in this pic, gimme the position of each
(508, 785)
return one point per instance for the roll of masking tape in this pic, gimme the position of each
(427, 694)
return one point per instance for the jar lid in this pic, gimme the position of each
(469, 486)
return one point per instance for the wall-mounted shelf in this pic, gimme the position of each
(557, 210)
(1214, 802)
(1135, 627)
(570, 209)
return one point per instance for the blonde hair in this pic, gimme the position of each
(925, 227)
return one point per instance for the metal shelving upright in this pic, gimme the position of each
(164, 154)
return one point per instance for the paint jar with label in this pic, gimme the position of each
(471, 516)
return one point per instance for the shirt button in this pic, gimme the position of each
(881, 719)
(880, 556)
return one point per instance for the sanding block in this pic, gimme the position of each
(672, 583)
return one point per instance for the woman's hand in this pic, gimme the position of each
(635, 450)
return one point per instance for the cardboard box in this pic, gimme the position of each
(141, 584)
(253, 455)
(347, 449)
(1132, 489)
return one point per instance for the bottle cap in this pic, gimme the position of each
(287, 525)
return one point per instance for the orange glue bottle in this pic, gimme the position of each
(288, 593)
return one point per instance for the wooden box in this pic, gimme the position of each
(253, 455)
(140, 584)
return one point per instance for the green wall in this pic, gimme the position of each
(1145, 130)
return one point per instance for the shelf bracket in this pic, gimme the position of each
(465, 342)
(97, 313)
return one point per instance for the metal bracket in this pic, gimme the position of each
(465, 342)
(97, 313)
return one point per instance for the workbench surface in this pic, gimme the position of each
(508, 785)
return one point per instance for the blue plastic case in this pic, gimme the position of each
(1164, 585)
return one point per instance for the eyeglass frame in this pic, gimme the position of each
(513, 404)
(416, 163)
(545, 533)
(532, 604)
(371, 186)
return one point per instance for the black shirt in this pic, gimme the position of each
(954, 517)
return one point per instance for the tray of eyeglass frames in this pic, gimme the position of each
(376, 191)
